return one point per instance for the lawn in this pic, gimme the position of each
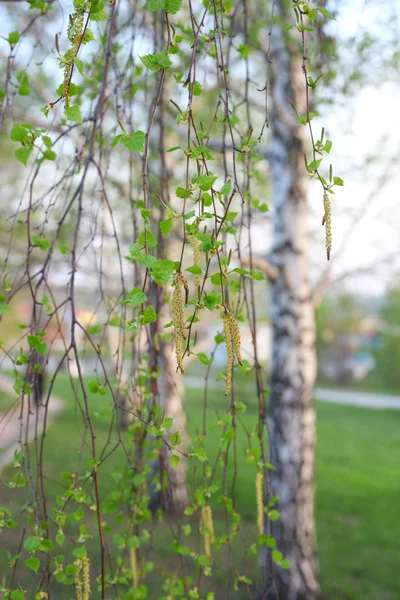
(356, 498)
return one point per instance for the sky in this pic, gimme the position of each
(365, 124)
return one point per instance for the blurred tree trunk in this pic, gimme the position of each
(292, 412)
(174, 498)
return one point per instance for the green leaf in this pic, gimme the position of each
(195, 269)
(18, 133)
(210, 300)
(94, 386)
(23, 80)
(205, 182)
(328, 146)
(338, 181)
(156, 62)
(13, 38)
(273, 515)
(226, 188)
(216, 279)
(151, 239)
(100, 15)
(203, 560)
(285, 563)
(18, 594)
(181, 192)
(137, 297)
(240, 271)
(326, 13)
(149, 315)
(135, 142)
(204, 358)
(162, 270)
(49, 155)
(46, 546)
(257, 275)
(31, 543)
(60, 537)
(94, 329)
(40, 242)
(207, 199)
(172, 6)
(79, 552)
(73, 113)
(175, 438)
(277, 556)
(79, 65)
(174, 461)
(33, 563)
(197, 89)
(166, 226)
(23, 154)
(156, 5)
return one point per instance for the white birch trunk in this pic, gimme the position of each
(292, 412)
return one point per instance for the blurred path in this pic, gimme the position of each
(364, 399)
(350, 398)
(15, 427)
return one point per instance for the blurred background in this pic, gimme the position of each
(356, 295)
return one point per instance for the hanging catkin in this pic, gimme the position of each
(178, 318)
(232, 341)
(259, 501)
(208, 529)
(229, 350)
(195, 244)
(134, 568)
(327, 221)
(82, 578)
(74, 33)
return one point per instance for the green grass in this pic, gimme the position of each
(356, 495)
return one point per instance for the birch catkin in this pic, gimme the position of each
(195, 244)
(229, 350)
(232, 341)
(82, 578)
(178, 318)
(74, 32)
(327, 221)
(208, 529)
(260, 503)
(134, 568)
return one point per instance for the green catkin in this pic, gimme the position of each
(195, 244)
(235, 333)
(232, 341)
(229, 350)
(78, 582)
(178, 319)
(74, 33)
(86, 578)
(259, 501)
(208, 529)
(327, 221)
(134, 568)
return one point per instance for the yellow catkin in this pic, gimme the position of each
(327, 221)
(78, 582)
(86, 578)
(82, 578)
(195, 244)
(259, 501)
(178, 319)
(229, 350)
(134, 568)
(235, 333)
(208, 529)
